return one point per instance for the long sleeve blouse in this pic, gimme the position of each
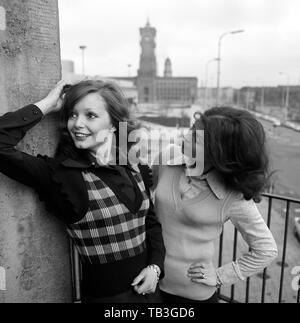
(192, 216)
(60, 183)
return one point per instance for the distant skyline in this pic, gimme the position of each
(187, 33)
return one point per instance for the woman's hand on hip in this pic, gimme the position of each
(53, 101)
(202, 273)
(146, 281)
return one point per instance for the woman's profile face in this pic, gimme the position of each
(89, 118)
(194, 139)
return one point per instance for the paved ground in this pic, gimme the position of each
(285, 155)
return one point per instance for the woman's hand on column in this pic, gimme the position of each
(53, 101)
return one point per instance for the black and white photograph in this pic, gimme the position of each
(149, 154)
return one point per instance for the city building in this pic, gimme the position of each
(279, 101)
(153, 89)
(207, 96)
(128, 86)
(151, 95)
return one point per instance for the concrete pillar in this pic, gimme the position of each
(34, 248)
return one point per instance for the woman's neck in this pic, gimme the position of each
(207, 169)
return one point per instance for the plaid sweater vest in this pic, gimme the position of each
(109, 231)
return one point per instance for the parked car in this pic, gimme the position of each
(297, 227)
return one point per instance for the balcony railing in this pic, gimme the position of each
(283, 248)
(259, 290)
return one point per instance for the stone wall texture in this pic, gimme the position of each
(34, 248)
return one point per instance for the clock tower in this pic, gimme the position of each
(147, 70)
(147, 57)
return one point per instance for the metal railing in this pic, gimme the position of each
(76, 266)
(231, 299)
(76, 273)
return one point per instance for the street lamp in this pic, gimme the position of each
(262, 96)
(219, 60)
(287, 96)
(262, 99)
(83, 48)
(206, 81)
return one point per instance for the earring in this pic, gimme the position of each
(112, 130)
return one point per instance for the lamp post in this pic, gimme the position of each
(206, 81)
(83, 48)
(287, 96)
(262, 99)
(262, 95)
(219, 60)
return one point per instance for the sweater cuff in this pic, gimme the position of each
(37, 109)
(31, 113)
(159, 263)
(230, 273)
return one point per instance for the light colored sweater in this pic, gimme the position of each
(192, 226)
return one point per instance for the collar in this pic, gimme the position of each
(213, 178)
(87, 160)
(216, 183)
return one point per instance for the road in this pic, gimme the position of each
(284, 146)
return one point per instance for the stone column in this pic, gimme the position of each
(34, 250)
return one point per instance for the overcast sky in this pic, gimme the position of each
(188, 33)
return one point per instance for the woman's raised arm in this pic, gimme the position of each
(22, 167)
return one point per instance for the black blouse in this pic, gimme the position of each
(61, 185)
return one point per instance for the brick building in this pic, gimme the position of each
(160, 90)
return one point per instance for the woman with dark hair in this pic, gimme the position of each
(204, 195)
(117, 108)
(106, 206)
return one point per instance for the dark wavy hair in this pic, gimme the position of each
(235, 145)
(116, 104)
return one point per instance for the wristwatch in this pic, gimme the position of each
(156, 269)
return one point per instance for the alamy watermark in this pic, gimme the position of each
(186, 147)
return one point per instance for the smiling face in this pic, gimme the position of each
(88, 118)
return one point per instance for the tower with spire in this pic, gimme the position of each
(155, 89)
(147, 58)
(147, 70)
(168, 68)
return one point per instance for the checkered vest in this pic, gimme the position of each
(109, 231)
